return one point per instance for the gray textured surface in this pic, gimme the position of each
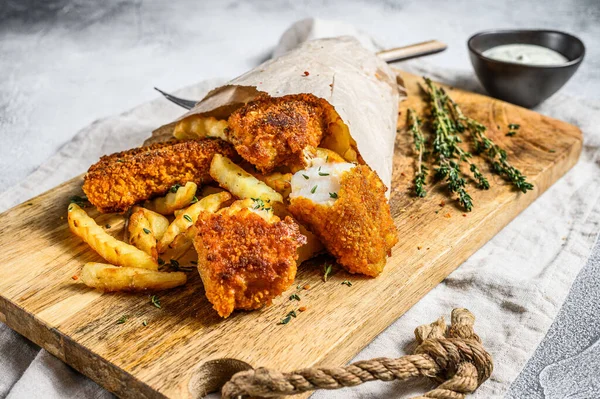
(66, 63)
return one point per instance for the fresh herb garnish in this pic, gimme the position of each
(174, 188)
(188, 218)
(312, 190)
(79, 200)
(513, 126)
(419, 140)
(194, 200)
(511, 133)
(288, 317)
(483, 145)
(323, 174)
(107, 226)
(552, 151)
(305, 176)
(123, 319)
(146, 230)
(155, 301)
(294, 297)
(347, 282)
(161, 261)
(333, 195)
(144, 323)
(327, 267)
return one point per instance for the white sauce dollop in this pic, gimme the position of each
(529, 54)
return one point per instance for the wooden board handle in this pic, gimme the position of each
(412, 51)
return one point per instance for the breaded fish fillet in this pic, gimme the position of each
(246, 255)
(281, 131)
(344, 205)
(121, 180)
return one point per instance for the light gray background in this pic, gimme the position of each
(64, 64)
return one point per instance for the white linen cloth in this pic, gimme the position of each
(515, 284)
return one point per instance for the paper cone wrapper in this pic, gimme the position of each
(361, 87)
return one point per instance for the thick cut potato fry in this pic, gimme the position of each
(280, 182)
(158, 223)
(111, 249)
(141, 235)
(199, 127)
(239, 182)
(173, 201)
(329, 155)
(187, 219)
(113, 278)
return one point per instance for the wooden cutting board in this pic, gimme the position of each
(186, 349)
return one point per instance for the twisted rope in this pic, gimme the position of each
(453, 356)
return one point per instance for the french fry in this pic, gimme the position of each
(111, 249)
(280, 182)
(239, 182)
(329, 155)
(313, 245)
(158, 223)
(141, 235)
(113, 278)
(204, 192)
(198, 127)
(177, 198)
(185, 220)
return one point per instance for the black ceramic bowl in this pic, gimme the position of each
(526, 85)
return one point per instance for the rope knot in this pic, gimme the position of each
(452, 355)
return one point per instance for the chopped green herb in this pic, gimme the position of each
(305, 176)
(333, 195)
(155, 301)
(327, 270)
(552, 151)
(161, 261)
(188, 218)
(120, 161)
(146, 230)
(288, 317)
(347, 282)
(513, 126)
(123, 319)
(174, 263)
(312, 190)
(79, 200)
(299, 287)
(174, 188)
(193, 262)
(260, 204)
(511, 133)
(194, 200)
(144, 323)
(107, 226)
(323, 174)
(294, 297)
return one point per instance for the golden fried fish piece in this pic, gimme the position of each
(246, 255)
(345, 206)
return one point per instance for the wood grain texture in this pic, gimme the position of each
(187, 350)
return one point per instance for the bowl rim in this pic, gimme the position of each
(496, 31)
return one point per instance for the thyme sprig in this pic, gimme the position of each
(419, 140)
(482, 144)
(446, 150)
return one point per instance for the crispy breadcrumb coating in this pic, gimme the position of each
(246, 256)
(282, 131)
(356, 227)
(121, 180)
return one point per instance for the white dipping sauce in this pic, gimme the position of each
(530, 54)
